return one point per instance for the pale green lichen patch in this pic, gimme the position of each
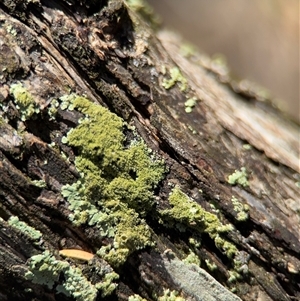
(170, 296)
(39, 183)
(187, 49)
(176, 77)
(210, 265)
(234, 276)
(45, 269)
(239, 177)
(186, 212)
(116, 187)
(240, 209)
(52, 109)
(189, 104)
(136, 297)
(247, 146)
(24, 101)
(192, 258)
(25, 228)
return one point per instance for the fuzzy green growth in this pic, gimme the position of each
(24, 228)
(24, 101)
(116, 187)
(190, 214)
(240, 209)
(176, 77)
(170, 296)
(239, 177)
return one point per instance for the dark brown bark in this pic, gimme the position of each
(106, 51)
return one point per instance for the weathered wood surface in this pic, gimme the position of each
(106, 52)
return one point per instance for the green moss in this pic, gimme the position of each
(45, 269)
(190, 214)
(115, 190)
(24, 101)
(23, 227)
(240, 209)
(239, 177)
(170, 296)
(176, 77)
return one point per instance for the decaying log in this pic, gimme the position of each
(206, 208)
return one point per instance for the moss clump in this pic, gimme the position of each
(45, 269)
(189, 213)
(176, 77)
(24, 101)
(239, 177)
(23, 227)
(115, 191)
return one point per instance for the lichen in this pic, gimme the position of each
(24, 228)
(187, 49)
(190, 214)
(136, 297)
(247, 146)
(115, 190)
(24, 101)
(170, 296)
(45, 269)
(176, 77)
(192, 258)
(39, 183)
(234, 276)
(52, 109)
(240, 209)
(210, 265)
(239, 177)
(189, 104)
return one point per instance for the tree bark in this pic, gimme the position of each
(229, 157)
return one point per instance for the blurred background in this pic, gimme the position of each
(259, 38)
